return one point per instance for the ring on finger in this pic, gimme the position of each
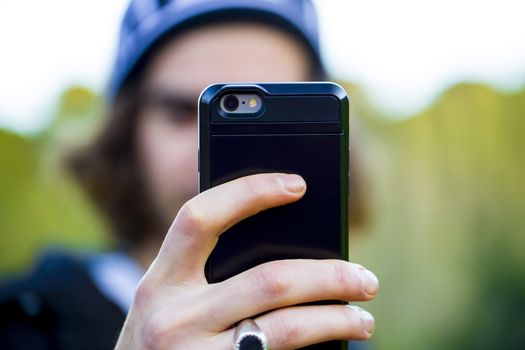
(249, 336)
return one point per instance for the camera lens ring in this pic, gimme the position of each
(231, 103)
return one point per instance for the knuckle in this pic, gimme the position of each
(350, 320)
(252, 187)
(270, 280)
(282, 333)
(163, 328)
(190, 218)
(143, 294)
(343, 279)
(263, 185)
(155, 334)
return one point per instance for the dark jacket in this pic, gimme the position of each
(57, 306)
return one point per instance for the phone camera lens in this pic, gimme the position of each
(231, 103)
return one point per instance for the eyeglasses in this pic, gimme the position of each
(177, 108)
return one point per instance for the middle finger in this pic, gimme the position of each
(288, 282)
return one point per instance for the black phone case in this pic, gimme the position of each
(303, 128)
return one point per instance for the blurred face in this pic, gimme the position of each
(167, 132)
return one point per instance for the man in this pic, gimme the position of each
(142, 172)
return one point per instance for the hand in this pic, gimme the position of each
(175, 307)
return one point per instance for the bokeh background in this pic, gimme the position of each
(438, 120)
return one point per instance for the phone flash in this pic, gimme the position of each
(252, 102)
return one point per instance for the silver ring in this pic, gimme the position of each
(249, 336)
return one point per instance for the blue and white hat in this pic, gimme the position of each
(146, 22)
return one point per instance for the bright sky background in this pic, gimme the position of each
(402, 52)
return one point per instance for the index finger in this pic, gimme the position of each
(200, 221)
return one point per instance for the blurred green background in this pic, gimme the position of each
(444, 188)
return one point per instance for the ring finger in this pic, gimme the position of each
(299, 326)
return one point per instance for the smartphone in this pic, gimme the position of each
(300, 128)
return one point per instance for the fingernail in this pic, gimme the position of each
(292, 183)
(370, 282)
(367, 320)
